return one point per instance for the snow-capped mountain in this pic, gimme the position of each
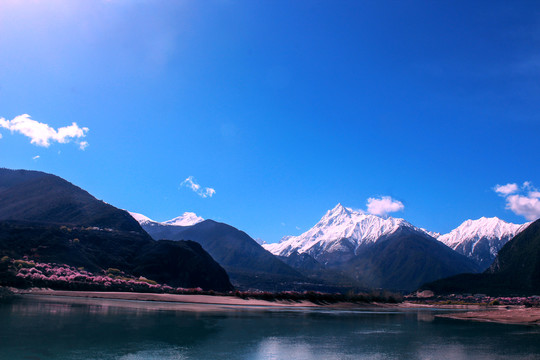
(377, 252)
(481, 239)
(186, 219)
(341, 230)
(141, 219)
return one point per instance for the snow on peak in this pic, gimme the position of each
(140, 218)
(472, 230)
(186, 219)
(339, 223)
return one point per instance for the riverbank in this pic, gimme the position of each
(168, 298)
(502, 315)
(520, 315)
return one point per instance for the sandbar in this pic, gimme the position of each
(168, 298)
(518, 315)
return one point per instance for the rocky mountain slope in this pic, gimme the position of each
(515, 270)
(247, 263)
(378, 252)
(481, 239)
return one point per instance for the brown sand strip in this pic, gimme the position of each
(188, 299)
(515, 315)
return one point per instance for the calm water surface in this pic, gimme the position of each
(49, 328)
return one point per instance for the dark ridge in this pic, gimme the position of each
(406, 259)
(248, 264)
(179, 264)
(39, 197)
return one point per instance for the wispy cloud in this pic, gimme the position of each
(191, 183)
(383, 206)
(35, 157)
(42, 134)
(506, 189)
(523, 201)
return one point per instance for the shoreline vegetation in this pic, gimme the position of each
(26, 274)
(503, 314)
(28, 277)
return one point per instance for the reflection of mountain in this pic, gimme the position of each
(51, 220)
(516, 270)
(100, 329)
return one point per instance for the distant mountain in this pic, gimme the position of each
(481, 239)
(246, 262)
(186, 219)
(377, 252)
(515, 270)
(39, 197)
(339, 235)
(48, 219)
(406, 259)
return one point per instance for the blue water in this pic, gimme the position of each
(49, 328)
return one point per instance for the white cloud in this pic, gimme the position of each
(383, 206)
(41, 134)
(506, 189)
(191, 183)
(526, 204)
(35, 157)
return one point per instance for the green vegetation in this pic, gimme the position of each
(24, 264)
(113, 271)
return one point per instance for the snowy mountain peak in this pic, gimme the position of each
(141, 219)
(186, 219)
(481, 239)
(340, 210)
(481, 228)
(340, 229)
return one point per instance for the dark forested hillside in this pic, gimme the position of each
(40, 197)
(47, 219)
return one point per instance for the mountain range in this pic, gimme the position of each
(248, 264)
(378, 252)
(481, 240)
(41, 215)
(47, 219)
(515, 270)
(343, 232)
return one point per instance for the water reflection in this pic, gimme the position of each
(44, 328)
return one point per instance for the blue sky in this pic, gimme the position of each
(282, 108)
